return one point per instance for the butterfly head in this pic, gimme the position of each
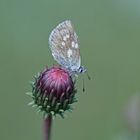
(82, 69)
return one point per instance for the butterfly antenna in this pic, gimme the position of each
(88, 76)
(83, 85)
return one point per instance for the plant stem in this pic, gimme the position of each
(47, 127)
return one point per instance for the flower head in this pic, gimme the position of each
(53, 91)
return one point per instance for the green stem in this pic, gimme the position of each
(47, 127)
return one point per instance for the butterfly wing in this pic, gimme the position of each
(63, 43)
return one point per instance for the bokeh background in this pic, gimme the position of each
(109, 34)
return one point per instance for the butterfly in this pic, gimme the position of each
(63, 43)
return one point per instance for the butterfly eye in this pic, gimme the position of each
(82, 69)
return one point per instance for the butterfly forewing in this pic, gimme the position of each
(63, 43)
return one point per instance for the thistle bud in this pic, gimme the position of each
(53, 91)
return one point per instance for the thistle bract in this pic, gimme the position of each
(53, 91)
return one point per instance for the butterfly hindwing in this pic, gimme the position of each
(63, 43)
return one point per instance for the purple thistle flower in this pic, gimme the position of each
(53, 91)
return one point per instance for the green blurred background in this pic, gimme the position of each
(109, 34)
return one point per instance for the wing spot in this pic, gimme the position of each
(63, 43)
(69, 52)
(73, 44)
(65, 38)
(76, 45)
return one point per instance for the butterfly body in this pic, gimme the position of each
(63, 42)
